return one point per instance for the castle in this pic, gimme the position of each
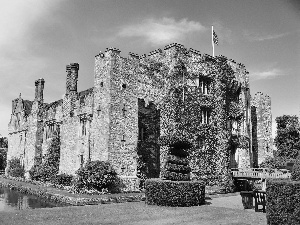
(138, 101)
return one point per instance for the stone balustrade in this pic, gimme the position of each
(262, 173)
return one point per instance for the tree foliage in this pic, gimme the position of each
(287, 140)
(49, 168)
(15, 168)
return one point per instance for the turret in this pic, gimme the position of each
(72, 78)
(39, 90)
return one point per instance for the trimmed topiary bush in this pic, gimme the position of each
(15, 169)
(177, 165)
(175, 176)
(174, 193)
(283, 202)
(296, 170)
(175, 189)
(96, 175)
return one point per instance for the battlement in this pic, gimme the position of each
(133, 55)
(262, 95)
(156, 51)
(116, 50)
(72, 66)
(176, 45)
(194, 51)
(100, 54)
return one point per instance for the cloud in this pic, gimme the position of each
(161, 31)
(258, 37)
(266, 74)
(18, 62)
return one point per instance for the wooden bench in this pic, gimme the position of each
(260, 200)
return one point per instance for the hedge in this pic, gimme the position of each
(174, 193)
(283, 202)
(168, 175)
(296, 170)
(177, 160)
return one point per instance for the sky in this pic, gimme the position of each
(38, 38)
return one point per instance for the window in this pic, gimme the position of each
(124, 110)
(201, 144)
(51, 129)
(205, 116)
(83, 125)
(141, 134)
(204, 86)
(202, 83)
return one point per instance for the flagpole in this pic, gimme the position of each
(212, 40)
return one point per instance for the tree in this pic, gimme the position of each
(287, 140)
(3, 152)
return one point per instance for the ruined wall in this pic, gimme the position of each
(262, 104)
(21, 138)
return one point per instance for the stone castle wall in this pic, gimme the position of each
(174, 91)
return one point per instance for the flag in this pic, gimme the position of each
(215, 38)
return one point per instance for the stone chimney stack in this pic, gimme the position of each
(39, 90)
(72, 78)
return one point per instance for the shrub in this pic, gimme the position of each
(296, 170)
(283, 202)
(174, 193)
(63, 179)
(228, 184)
(15, 168)
(96, 175)
(34, 173)
(3, 155)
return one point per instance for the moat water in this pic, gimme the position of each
(11, 200)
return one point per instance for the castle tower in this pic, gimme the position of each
(261, 106)
(115, 115)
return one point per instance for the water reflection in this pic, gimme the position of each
(11, 200)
